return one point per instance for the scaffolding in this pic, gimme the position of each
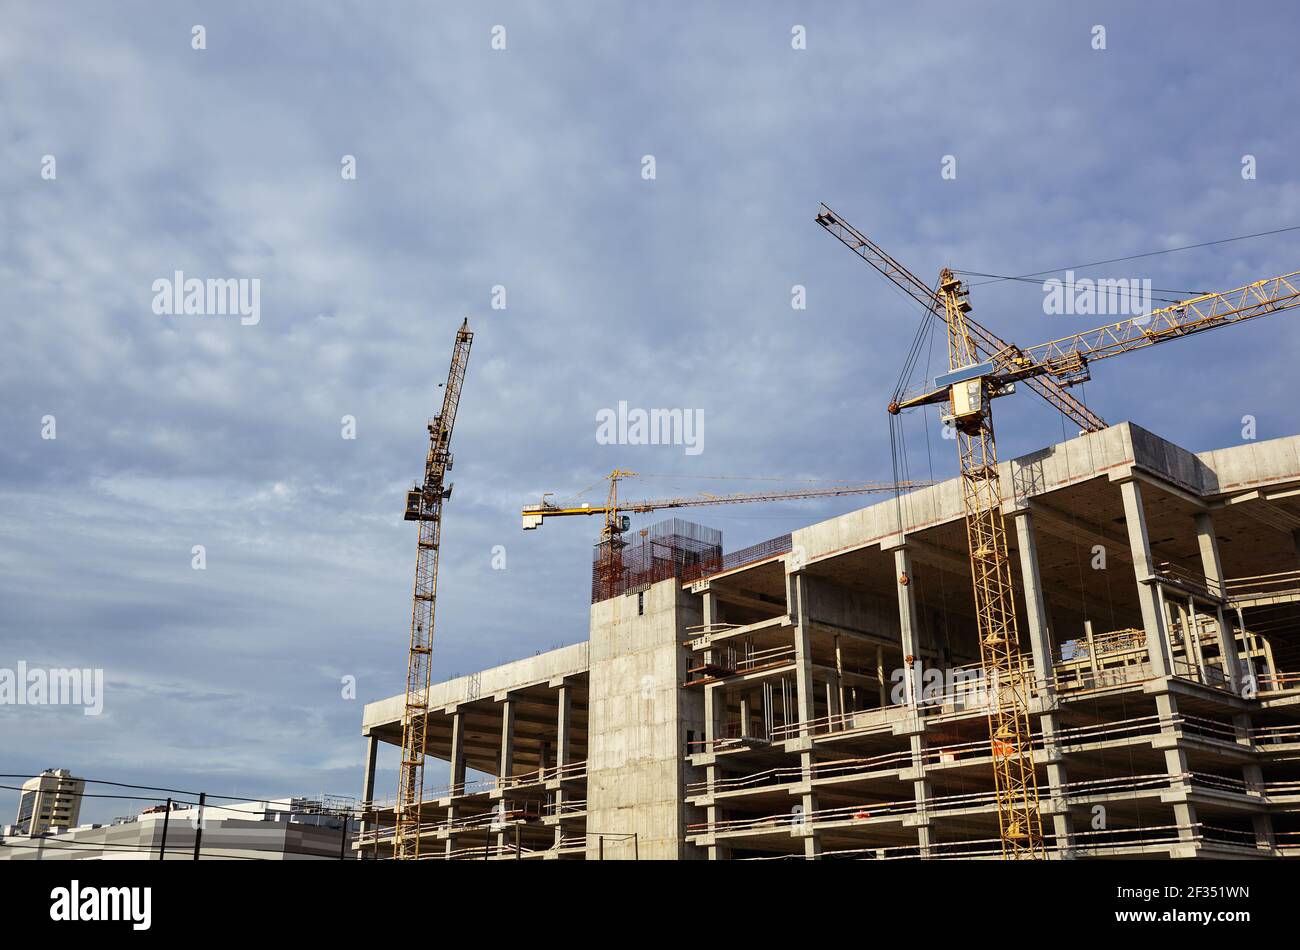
(671, 548)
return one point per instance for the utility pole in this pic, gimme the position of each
(198, 826)
(167, 816)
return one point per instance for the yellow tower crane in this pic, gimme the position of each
(616, 521)
(980, 368)
(424, 504)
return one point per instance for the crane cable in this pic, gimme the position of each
(994, 278)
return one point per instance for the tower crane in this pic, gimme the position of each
(980, 368)
(424, 505)
(983, 340)
(616, 521)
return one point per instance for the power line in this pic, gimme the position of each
(1133, 257)
(148, 788)
(132, 798)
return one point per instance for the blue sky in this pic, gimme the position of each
(522, 167)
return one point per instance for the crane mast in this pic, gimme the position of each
(424, 505)
(1006, 681)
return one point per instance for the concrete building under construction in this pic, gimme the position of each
(819, 696)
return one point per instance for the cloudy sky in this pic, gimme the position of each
(523, 167)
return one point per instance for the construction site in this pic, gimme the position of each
(1088, 651)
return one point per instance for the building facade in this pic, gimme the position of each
(49, 802)
(821, 697)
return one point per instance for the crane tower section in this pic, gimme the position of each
(424, 505)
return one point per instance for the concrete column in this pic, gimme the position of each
(812, 843)
(507, 740)
(1057, 781)
(565, 704)
(1035, 604)
(805, 701)
(457, 772)
(839, 681)
(1167, 620)
(1153, 620)
(1176, 765)
(715, 714)
(507, 766)
(907, 620)
(564, 713)
(744, 716)
(1254, 777)
(1247, 664)
(1212, 566)
(1194, 630)
(880, 678)
(710, 608)
(1181, 613)
(712, 812)
(833, 693)
(1092, 647)
(457, 753)
(368, 783)
(1041, 646)
(921, 789)
(1208, 543)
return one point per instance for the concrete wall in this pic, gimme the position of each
(834, 605)
(637, 721)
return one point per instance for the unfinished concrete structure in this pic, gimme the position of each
(820, 696)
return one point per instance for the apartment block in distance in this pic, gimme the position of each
(49, 802)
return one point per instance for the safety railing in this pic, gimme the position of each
(936, 807)
(565, 809)
(570, 771)
(1263, 586)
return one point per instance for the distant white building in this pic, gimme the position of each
(286, 829)
(49, 802)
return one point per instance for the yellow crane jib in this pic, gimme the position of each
(983, 342)
(617, 521)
